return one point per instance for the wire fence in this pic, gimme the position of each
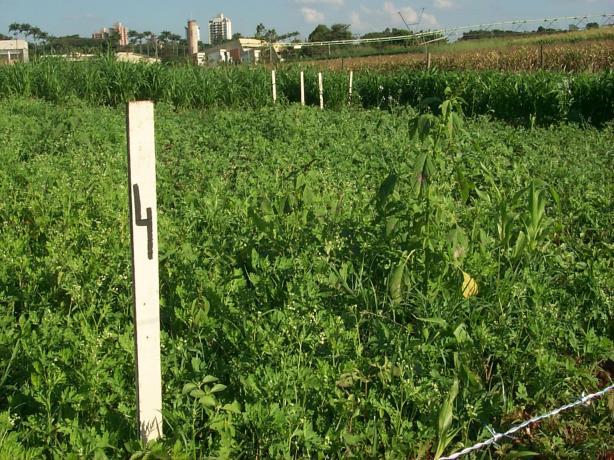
(585, 399)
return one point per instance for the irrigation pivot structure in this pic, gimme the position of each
(413, 23)
(606, 19)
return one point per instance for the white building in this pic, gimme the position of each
(219, 56)
(250, 56)
(237, 51)
(13, 51)
(220, 29)
(199, 58)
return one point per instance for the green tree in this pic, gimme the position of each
(170, 45)
(140, 38)
(176, 40)
(113, 40)
(164, 38)
(73, 43)
(288, 36)
(133, 38)
(15, 29)
(341, 32)
(271, 35)
(323, 33)
(148, 36)
(320, 34)
(44, 39)
(26, 30)
(394, 32)
(260, 30)
(36, 33)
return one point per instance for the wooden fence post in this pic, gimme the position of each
(321, 86)
(351, 85)
(144, 240)
(302, 88)
(274, 83)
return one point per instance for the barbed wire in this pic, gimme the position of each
(498, 436)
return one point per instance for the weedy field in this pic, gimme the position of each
(352, 283)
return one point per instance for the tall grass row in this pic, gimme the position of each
(543, 96)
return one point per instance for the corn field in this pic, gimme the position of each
(575, 57)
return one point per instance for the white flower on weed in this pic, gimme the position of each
(470, 410)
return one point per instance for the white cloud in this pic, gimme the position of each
(393, 11)
(444, 4)
(357, 22)
(321, 2)
(312, 15)
(388, 16)
(425, 20)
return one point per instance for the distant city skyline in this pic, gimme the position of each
(83, 17)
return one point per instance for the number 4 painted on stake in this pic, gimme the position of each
(140, 222)
(142, 189)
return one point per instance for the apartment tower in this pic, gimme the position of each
(220, 29)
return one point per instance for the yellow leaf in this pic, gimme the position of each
(470, 287)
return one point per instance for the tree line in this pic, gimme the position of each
(166, 44)
(498, 33)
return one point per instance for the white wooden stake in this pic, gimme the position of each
(273, 80)
(144, 238)
(351, 84)
(302, 88)
(321, 85)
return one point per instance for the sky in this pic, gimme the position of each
(67, 17)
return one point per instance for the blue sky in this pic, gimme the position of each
(62, 17)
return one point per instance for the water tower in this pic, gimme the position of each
(193, 37)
